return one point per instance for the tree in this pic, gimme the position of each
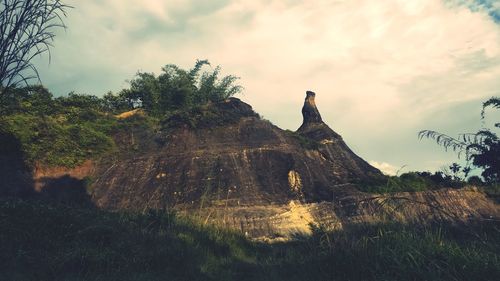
(30, 99)
(27, 30)
(176, 88)
(482, 148)
(115, 104)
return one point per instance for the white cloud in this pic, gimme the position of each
(385, 168)
(380, 68)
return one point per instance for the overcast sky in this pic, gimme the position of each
(382, 70)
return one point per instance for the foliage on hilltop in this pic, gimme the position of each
(67, 130)
(174, 89)
(62, 131)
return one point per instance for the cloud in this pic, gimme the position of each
(381, 69)
(385, 168)
(491, 7)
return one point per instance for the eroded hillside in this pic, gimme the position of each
(224, 154)
(225, 165)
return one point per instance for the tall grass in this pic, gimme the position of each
(40, 241)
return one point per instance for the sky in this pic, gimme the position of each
(382, 70)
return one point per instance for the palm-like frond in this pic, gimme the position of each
(194, 72)
(493, 102)
(444, 140)
(27, 30)
(482, 147)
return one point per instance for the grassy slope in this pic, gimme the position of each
(41, 241)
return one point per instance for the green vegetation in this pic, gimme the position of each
(41, 241)
(174, 89)
(51, 241)
(482, 147)
(55, 143)
(62, 131)
(65, 131)
(414, 181)
(28, 30)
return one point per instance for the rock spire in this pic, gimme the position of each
(310, 112)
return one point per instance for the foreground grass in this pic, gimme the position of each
(40, 241)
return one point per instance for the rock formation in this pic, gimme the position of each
(310, 111)
(224, 154)
(332, 146)
(227, 166)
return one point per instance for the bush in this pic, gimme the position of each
(409, 182)
(50, 142)
(174, 89)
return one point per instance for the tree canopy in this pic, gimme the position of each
(175, 88)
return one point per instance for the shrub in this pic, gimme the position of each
(175, 89)
(53, 143)
(409, 182)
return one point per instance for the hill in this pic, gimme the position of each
(222, 163)
(225, 154)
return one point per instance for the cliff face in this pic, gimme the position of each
(225, 155)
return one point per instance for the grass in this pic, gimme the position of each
(42, 241)
(54, 142)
